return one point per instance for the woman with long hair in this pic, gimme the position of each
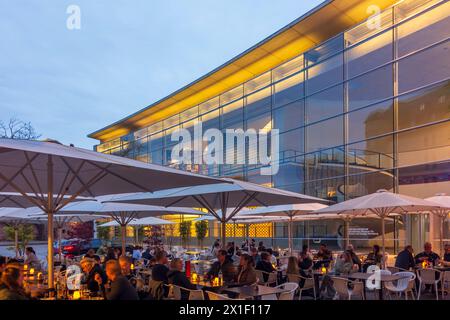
(246, 272)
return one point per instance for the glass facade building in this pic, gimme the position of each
(367, 109)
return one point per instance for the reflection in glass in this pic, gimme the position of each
(325, 134)
(325, 104)
(370, 88)
(371, 121)
(324, 74)
(371, 154)
(424, 106)
(289, 117)
(288, 90)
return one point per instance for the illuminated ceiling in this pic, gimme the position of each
(321, 23)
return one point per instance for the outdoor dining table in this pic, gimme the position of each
(255, 291)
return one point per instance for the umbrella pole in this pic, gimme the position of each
(290, 234)
(442, 235)
(50, 213)
(59, 244)
(383, 241)
(16, 241)
(123, 229)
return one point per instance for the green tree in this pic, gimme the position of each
(26, 233)
(201, 228)
(185, 231)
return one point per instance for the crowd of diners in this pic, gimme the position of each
(113, 277)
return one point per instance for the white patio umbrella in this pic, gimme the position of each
(123, 213)
(443, 213)
(149, 221)
(50, 171)
(288, 210)
(233, 194)
(381, 203)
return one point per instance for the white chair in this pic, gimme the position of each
(342, 288)
(445, 284)
(404, 285)
(193, 294)
(216, 296)
(288, 295)
(272, 278)
(308, 284)
(428, 277)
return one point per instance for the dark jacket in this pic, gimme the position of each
(405, 260)
(159, 273)
(447, 257)
(179, 278)
(430, 257)
(227, 268)
(355, 259)
(92, 285)
(121, 289)
(246, 276)
(266, 267)
(9, 294)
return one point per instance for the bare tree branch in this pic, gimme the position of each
(18, 129)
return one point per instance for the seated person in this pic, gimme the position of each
(119, 288)
(373, 258)
(294, 268)
(265, 265)
(427, 255)
(304, 260)
(405, 259)
(446, 261)
(160, 269)
(261, 246)
(11, 282)
(355, 258)
(91, 269)
(273, 259)
(147, 256)
(344, 264)
(323, 256)
(254, 254)
(90, 254)
(31, 259)
(246, 271)
(177, 277)
(224, 265)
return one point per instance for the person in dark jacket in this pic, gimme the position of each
(224, 265)
(146, 255)
(324, 257)
(373, 258)
(91, 269)
(160, 269)
(11, 282)
(427, 255)
(265, 265)
(2, 265)
(405, 259)
(177, 277)
(119, 288)
(446, 261)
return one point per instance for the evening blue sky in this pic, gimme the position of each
(127, 55)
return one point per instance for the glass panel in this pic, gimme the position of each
(423, 68)
(363, 184)
(156, 141)
(172, 121)
(289, 117)
(291, 144)
(424, 106)
(258, 103)
(371, 154)
(370, 88)
(231, 95)
(408, 8)
(370, 54)
(254, 176)
(325, 134)
(369, 28)
(211, 120)
(156, 156)
(325, 164)
(233, 115)
(325, 104)
(330, 189)
(290, 174)
(426, 29)
(371, 121)
(209, 105)
(288, 68)
(258, 83)
(324, 74)
(324, 50)
(189, 114)
(288, 90)
(424, 145)
(156, 127)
